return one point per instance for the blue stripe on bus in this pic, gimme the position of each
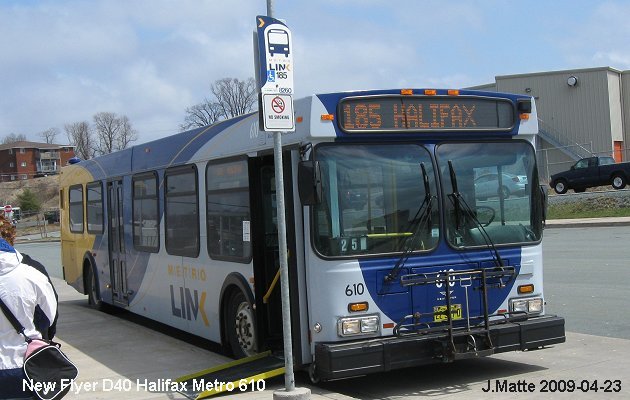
(396, 301)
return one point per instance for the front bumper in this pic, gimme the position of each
(344, 360)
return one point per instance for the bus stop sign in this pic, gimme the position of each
(275, 73)
(8, 209)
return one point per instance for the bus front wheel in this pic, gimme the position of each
(241, 326)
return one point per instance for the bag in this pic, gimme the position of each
(48, 371)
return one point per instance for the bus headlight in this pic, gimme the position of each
(532, 305)
(352, 326)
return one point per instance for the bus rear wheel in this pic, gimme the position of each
(241, 326)
(94, 298)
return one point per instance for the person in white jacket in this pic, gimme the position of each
(25, 291)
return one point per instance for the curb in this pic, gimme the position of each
(587, 223)
(42, 240)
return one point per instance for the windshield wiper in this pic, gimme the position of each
(458, 203)
(422, 217)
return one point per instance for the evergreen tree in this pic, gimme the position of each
(29, 202)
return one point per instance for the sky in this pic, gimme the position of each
(63, 61)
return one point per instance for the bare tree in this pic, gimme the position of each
(113, 133)
(12, 138)
(126, 134)
(232, 97)
(80, 136)
(202, 114)
(49, 135)
(235, 97)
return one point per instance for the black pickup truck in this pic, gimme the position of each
(591, 172)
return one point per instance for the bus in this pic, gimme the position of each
(394, 258)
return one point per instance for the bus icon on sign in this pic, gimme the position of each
(278, 42)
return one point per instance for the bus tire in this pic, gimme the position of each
(312, 374)
(92, 289)
(241, 325)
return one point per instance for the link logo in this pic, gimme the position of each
(189, 305)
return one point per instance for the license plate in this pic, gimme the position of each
(439, 313)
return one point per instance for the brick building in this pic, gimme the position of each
(25, 160)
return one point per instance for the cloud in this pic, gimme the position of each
(66, 60)
(599, 37)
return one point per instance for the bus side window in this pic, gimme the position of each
(182, 211)
(146, 219)
(227, 211)
(75, 203)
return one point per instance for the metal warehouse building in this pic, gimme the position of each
(582, 112)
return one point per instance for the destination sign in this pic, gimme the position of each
(405, 113)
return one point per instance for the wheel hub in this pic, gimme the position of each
(245, 330)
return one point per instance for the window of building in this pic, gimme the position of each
(146, 218)
(22, 151)
(12, 164)
(10, 151)
(94, 207)
(24, 177)
(23, 164)
(182, 211)
(75, 203)
(228, 215)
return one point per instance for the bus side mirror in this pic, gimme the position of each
(310, 182)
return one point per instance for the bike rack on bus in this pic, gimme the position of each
(495, 277)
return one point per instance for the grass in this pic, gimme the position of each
(582, 210)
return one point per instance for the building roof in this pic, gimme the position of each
(33, 145)
(567, 71)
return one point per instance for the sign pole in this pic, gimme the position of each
(275, 72)
(289, 378)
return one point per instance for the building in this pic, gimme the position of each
(25, 160)
(582, 112)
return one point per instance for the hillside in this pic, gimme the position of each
(46, 189)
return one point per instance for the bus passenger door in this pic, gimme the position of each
(266, 249)
(117, 262)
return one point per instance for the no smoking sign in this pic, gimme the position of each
(278, 112)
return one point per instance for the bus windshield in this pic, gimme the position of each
(496, 182)
(372, 200)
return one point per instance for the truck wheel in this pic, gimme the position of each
(560, 186)
(241, 326)
(619, 181)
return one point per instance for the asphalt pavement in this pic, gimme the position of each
(123, 359)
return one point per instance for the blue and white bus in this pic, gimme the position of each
(395, 259)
